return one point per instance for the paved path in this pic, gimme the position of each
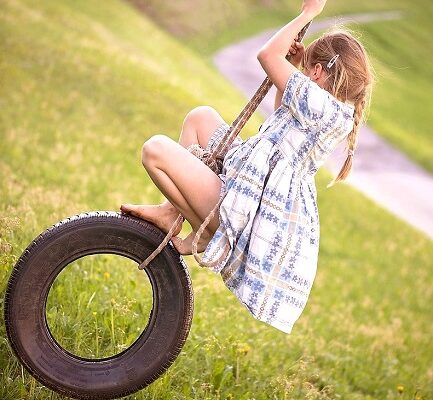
(380, 171)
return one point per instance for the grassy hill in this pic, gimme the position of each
(402, 51)
(82, 87)
(213, 25)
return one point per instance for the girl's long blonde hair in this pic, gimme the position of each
(349, 79)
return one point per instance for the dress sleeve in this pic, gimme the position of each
(306, 100)
(315, 107)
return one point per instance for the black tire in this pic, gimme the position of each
(154, 350)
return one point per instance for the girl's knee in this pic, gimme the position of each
(201, 113)
(153, 148)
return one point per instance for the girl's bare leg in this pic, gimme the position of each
(188, 184)
(198, 126)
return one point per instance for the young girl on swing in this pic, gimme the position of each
(265, 238)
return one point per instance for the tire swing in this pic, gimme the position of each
(92, 233)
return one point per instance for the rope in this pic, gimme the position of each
(210, 159)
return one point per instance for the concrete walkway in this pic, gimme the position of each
(380, 171)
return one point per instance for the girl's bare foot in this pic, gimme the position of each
(184, 246)
(161, 215)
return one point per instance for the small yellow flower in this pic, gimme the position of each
(400, 389)
(243, 348)
(106, 275)
(94, 313)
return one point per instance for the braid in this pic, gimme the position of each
(352, 140)
(349, 78)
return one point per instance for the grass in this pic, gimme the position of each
(403, 53)
(401, 50)
(92, 323)
(214, 25)
(82, 88)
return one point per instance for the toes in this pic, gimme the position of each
(177, 243)
(125, 208)
(184, 246)
(129, 209)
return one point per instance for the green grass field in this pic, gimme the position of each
(212, 26)
(402, 53)
(82, 87)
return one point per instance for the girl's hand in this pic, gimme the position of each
(296, 52)
(313, 7)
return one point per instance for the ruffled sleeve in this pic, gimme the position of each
(305, 99)
(313, 106)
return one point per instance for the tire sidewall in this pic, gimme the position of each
(147, 358)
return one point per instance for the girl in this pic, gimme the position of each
(266, 236)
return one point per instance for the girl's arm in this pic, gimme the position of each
(272, 56)
(296, 53)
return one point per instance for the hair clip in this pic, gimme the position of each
(332, 61)
(351, 152)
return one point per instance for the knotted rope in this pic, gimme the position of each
(210, 159)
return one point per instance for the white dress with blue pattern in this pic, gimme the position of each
(269, 216)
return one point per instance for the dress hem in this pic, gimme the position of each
(284, 327)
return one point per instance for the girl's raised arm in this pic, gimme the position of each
(272, 55)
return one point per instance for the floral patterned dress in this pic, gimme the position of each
(269, 216)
